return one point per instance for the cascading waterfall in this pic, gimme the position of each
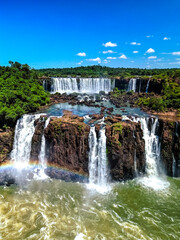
(22, 140)
(147, 87)
(98, 169)
(42, 154)
(152, 155)
(173, 166)
(132, 85)
(139, 85)
(81, 85)
(152, 146)
(93, 156)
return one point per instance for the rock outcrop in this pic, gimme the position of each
(169, 132)
(67, 143)
(125, 149)
(6, 144)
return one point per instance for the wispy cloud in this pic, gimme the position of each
(123, 57)
(110, 44)
(166, 38)
(150, 50)
(79, 63)
(111, 57)
(106, 61)
(176, 53)
(152, 57)
(174, 63)
(81, 54)
(135, 43)
(150, 36)
(135, 51)
(109, 51)
(94, 60)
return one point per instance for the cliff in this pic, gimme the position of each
(67, 143)
(125, 149)
(6, 144)
(169, 132)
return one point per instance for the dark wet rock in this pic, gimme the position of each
(67, 143)
(6, 144)
(6, 177)
(37, 137)
(169, 132)
(124, 145)
(65, 175)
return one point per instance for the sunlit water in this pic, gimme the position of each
(53, 209)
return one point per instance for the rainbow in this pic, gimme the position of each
(34, 164)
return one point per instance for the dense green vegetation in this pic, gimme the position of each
(103, 71)
(20, 93)
(170, 97)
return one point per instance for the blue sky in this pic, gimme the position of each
(114, 33)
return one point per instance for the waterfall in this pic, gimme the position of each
(42, 154)
(132, 85)
(147, 87)
(153, 178)
(93, 158)
(139, 85)
(98, 169)
(24, 131)
(152, 146)
(81, 85)
(173, 166)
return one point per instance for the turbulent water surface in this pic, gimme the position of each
(53, 209)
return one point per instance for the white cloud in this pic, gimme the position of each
(176, 53)
(152, 57)
(150, 36)
(135, 51)
(132, 61)
(150, 50)
(109, 51)
(95, 60)
(111, 57)
(105, 61)
(135, 43)
(123, 56)
(178, 59)
(110, 44)
(81, 54)
(174, 63)
(80, 62)
(166, 38)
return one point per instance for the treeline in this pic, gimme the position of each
(20, 93)
(103, 71)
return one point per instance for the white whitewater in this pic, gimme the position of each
(147, 87)
(98, 167)
(22, 140)
(152, 154)
(42, 154)
(93, 158)
(139, 85)
(132, 85)
(81, 85)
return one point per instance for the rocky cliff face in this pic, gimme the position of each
(67, 143)
(125, 149)
(170, 146)
(141, 84)
(37, 137)
(6, 144)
